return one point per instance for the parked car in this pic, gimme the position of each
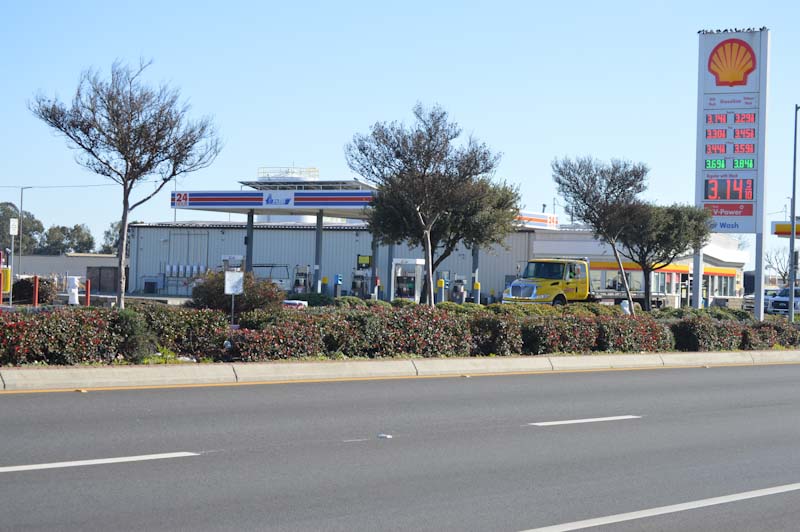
(749, 302)
(779, 304)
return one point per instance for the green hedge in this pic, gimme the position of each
(102, 336)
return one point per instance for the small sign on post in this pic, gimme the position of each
(234, 285)
(13, 226)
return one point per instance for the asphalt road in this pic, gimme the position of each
(463, 454)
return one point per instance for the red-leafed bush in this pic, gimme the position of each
(494, 334)
(65, 337)
(625, 334)
(428, 332)
(568, 334)
(704, 334)
(282, 340)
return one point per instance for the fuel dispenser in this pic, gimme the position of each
(407, 279)
(459, 291)
(302, 279)
(360, 284)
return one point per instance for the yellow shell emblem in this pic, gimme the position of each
(731, 61)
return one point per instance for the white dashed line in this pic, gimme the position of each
(575, 421)
(121, 459)
(702, 503)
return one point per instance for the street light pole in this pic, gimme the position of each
(19, 260)
(792, 262)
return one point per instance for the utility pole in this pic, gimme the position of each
(792, 260)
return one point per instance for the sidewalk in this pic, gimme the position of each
(85, 378)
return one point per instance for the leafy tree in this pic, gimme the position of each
(30, 226)
(432, 192)
(596, 192)
(60, 239)
(209, 292)
(653, 236)
(128, 132)
(778, 260)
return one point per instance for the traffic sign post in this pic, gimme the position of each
(13, 230)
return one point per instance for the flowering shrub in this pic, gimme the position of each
(493, 334)
(70, 336)
(280, 340)
(185, 331)
(705, 334)
(426, 331)
(209, 292)
(349, 302)
(768, 334)
(81, 335)
(632, 334)
(570, 334)
(592, 309)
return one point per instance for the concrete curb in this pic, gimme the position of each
(115, 376)
(294, 371)
(72, 378)
(430, 367)
(707, 359)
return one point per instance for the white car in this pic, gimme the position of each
(779, 304)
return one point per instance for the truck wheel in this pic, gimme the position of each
(558, 301)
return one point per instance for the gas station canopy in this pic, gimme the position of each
(341, 199)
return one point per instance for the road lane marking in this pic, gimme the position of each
(79, 463)
(652, 512)
(355, 440)
(575, 421)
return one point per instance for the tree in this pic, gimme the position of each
(111, 239)
(432, 192)
(128, 132)
(653, 236)
(596, 192)
(81, 239)
(30, 226)
(778, 260)
(60, 239)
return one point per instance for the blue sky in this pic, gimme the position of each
(291, 83)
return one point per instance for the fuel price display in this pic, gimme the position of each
(729, 189)
(731, 124)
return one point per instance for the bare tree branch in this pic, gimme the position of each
(127, 131)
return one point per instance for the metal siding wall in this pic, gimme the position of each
(296, 247)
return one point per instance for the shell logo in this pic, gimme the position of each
(731, 61)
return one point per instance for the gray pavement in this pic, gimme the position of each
(463, 455)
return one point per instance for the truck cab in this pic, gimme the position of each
(551, 282)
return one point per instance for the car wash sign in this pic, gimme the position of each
(731, 125)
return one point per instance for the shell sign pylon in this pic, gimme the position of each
(731, 61)
(731, 127)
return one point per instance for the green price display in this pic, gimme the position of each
(744, 164)
(715, 164)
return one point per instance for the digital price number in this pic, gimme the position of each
(729, 189)
(736, 164)
(727, 136)
(735, 118)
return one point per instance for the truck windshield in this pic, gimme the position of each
(785, 292)
(544, 270)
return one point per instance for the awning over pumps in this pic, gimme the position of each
(288, 197)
